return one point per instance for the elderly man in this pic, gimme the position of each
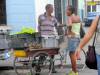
(47, 23)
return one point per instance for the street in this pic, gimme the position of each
(60, 71)
(21, 18)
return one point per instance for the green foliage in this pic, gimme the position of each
(16, 33)
(25, 30)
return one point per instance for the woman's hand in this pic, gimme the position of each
(71, 33)
(77, 52)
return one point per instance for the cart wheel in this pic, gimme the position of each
(40, 64)
(22, 65)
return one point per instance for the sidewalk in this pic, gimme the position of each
(86, 71)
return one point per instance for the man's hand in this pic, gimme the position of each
(62, 25)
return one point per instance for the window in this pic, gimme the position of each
(2, 12)
(88, 0)
(98, 9)
(88, 8)
(96, 0)
(93, 8)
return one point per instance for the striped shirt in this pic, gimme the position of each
(47, 26)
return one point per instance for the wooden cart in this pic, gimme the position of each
(29, 62)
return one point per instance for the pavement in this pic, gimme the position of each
(86, 71)
(60, 71)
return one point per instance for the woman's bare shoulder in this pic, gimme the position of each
(76, 18)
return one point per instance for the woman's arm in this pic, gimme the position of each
(87, 36)
(69, 20)
(69, 26)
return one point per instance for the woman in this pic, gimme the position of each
(74, 24)
(88, 36)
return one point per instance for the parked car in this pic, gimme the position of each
(89, 18)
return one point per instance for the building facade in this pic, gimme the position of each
(92, 6)
(20, 13)
(79, 9)
(25, 12)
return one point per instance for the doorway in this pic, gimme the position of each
(3, 12)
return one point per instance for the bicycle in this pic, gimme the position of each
(80, 62)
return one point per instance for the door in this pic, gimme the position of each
(58, 10)
(58, 15)
(3, 12)
(75, 4)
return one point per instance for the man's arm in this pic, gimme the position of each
(39, 29)
(39, 24)
(59, 25)
(62, 25)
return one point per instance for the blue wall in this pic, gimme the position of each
(20, 13)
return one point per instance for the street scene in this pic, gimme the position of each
(7, 65)
(42, 37)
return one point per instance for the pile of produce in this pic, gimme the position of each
(33, 46)
(25, 30)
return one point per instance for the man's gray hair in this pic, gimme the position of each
(48, 6)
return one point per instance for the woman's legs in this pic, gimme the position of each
(98, 63)
(72, 46)
(73, 61)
